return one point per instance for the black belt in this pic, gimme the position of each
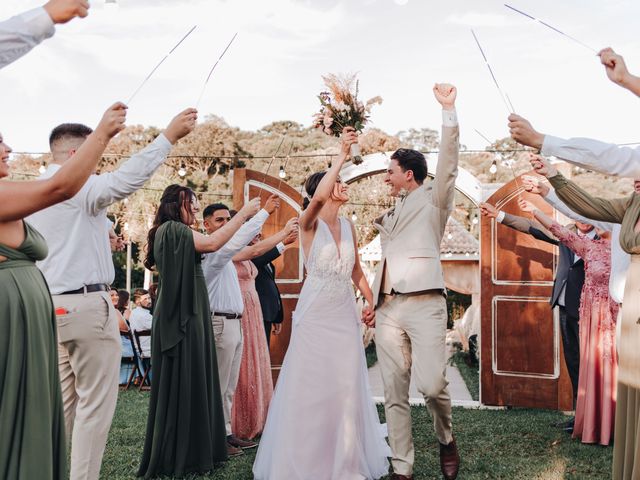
(414, 294)
(95, 287)
(228, 316)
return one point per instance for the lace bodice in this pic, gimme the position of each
(329, 265)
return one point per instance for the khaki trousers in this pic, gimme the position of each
(410, 331)
(229, 342)
(89, 365)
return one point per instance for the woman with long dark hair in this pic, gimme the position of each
(185, 428)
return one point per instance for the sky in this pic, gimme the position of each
(399, 48)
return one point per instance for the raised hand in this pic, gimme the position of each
(272, 204)
(614, 66)
(542, 166)
(534, 185)
(292, 226)
(291, 237)
(488, 210)
(181, 125)
(250, 208)
(523, 133)
(112, 122)
(526, 206)
(348, 138)
(61, 11)
(445, 94)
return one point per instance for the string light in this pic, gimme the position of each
(282, 174)
(354, 217)
(126, 226)
(450, 236)
(42, 168)
(493, 168)
(474, 220)
(183, 170)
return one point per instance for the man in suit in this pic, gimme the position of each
(270, 300)
(567, 288)
(409, 293)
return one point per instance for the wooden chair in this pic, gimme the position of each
(130, 360)
(145, 360)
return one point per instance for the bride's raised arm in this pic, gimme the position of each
(309, 217)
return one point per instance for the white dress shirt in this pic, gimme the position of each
(619, 258)
(220, 273)
(595, 155)
(141, 319)
(77, 231)
(21, 33)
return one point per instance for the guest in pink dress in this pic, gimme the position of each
(255, 385)
(596, 403)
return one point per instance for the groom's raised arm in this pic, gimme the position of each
(447, 168)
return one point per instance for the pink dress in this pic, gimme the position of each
(596, 402)
(255, 384)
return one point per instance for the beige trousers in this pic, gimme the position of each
(410, 332)
(229, 342)
(89, 365)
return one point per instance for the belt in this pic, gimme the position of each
(414, 294)
(95, 287)
(228, 316)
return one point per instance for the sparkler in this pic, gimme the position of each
(213, 68)
(505, 98)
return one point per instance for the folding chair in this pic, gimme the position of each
(145, 359)
(130, 360)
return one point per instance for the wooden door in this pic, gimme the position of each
(289, 267)
(521, 348)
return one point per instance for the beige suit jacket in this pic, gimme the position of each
(411, 233)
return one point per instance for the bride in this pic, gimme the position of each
(322, 422)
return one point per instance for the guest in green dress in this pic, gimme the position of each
(32, 437)
(185, 427)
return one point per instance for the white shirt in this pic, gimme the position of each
(21, 33)
(595, 155)
(77, 231)
(141, 319)
(221, 275)
(619, 258)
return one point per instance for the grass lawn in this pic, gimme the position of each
(494, 444)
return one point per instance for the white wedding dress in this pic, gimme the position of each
(322, 422)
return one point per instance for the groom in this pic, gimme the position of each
(409, 293)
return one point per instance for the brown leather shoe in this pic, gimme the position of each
(449, 460)
(397, 476)
(233, 451)
(239, 443)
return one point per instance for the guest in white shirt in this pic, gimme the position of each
(225, 300)
(79, 269)
(21, 33)
(141, 318)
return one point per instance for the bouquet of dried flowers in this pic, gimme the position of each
(340, 108)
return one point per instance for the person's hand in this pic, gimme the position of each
(272, 204)
(181, 125)
(368, 316)
(292, 226)
(526, 206)
(112, 122)
(534, 185)
(523, 133)
(277, 328)
(614, 66)
(348, 138)
(542, 166)
(250, 208)
(291, 237)
(488, 210)
(445, 94)
(61, 11)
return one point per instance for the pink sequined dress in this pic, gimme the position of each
(596, 402)
(255, 385)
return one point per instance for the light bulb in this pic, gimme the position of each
(354, 217)
(493, 168)
(42, 168)
(282, 173)
(126, 226)
(450, 236)
(126, 200)
(183, 170)
(466, 254)
(475, 220)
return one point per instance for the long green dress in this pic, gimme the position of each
(185, 428)
(32, 440)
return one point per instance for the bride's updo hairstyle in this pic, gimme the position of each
(310, 186)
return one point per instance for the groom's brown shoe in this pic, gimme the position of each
(449, 460)
(397, 476)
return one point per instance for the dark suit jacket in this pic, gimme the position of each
(270, 300)
(568, 273)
